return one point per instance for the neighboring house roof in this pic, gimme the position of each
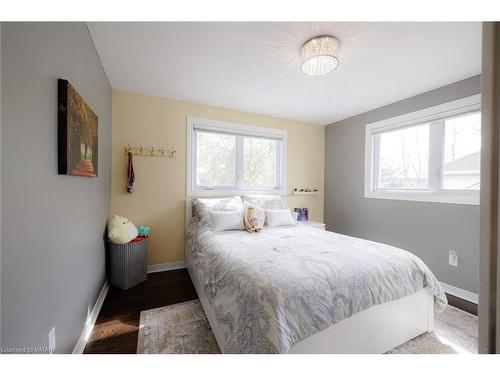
(469, 162)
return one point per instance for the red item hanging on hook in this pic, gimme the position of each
(130, 173)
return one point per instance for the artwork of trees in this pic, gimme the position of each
(77, 134)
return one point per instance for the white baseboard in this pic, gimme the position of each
(91, 319)
(166, 266)
(460, 293)
(89, 324)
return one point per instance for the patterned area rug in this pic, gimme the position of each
(176, 329)
(183, 328)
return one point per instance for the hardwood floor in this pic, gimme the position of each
(462, 304)
(117, 326)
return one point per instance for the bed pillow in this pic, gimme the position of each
(204, 205)
(254, 217)
(266, 202)
(226, 220)
(277, 218)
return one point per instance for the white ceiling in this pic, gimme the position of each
(255, 67)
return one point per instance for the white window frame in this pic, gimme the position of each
(431, 115)
(240, 131)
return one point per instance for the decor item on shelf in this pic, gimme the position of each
(320, 55)
(302, 214)
(76, 133)
(121, 230)
(305, 191)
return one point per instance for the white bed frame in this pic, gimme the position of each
(375, 330)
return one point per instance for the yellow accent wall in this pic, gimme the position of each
(158, 199)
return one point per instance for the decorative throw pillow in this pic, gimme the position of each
(203, 206)
(254, 218)
(226, 220)
(276, 218)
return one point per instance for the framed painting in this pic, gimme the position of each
(77, 133)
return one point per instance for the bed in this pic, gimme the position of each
(299, 289)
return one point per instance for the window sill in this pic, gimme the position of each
(219, 193)
(458, 198)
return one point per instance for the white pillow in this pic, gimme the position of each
(227, 220)
(203, 206)
(266, 202)
(276, 218)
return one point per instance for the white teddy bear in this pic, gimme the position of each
(121, 230)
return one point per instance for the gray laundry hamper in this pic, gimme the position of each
(128, 263)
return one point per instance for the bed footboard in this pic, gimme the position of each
(376, 330)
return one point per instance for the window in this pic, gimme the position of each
(226, 158)
(404, 158)
(215, 159)
(430, 155)
(462, 149)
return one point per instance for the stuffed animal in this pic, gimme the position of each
(121, 231)
(253, 223)
(143, 231)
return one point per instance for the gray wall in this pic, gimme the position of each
(428, 230)
(52, 226)
(0, 183)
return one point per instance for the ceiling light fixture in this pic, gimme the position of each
(319, 55)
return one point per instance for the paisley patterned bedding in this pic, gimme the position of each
(272, 289)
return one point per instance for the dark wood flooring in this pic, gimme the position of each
(117, 325)
(462, 304)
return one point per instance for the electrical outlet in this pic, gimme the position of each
(52, 340)
(453, 258)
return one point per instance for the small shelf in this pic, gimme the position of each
(305, 192)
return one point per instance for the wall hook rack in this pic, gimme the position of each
(162, 151)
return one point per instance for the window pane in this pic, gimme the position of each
(404, 158)
(215, 159)
(462, 154)
(259, 156)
